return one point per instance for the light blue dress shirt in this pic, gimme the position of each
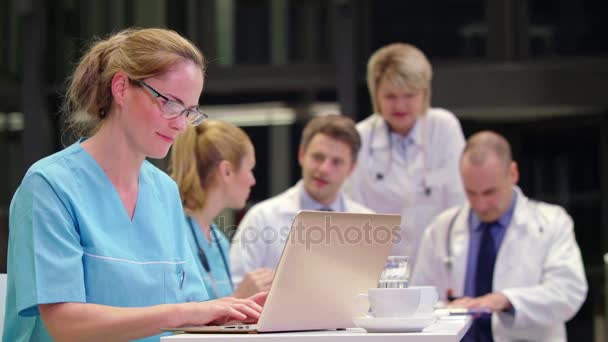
(71, 240)
(475, 233)
(309, 203)
(403, 144)
(498, 230)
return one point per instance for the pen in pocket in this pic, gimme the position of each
(181, 280)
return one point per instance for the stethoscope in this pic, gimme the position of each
(205, 262)
(449, 259)
(380, 175)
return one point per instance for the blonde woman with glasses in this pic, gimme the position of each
(97, 249)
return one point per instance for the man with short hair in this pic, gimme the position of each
(327, 155)
(504, 253)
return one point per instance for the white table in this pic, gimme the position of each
(445, 329)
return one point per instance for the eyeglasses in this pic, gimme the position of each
(172, 109)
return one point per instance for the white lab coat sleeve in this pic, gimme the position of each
(452, 144)
(352, 187)
(563, 287)
(248, 250)
(428, 260)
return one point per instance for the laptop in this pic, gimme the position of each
(328, 259)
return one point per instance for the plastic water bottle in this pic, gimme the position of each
(395, 274)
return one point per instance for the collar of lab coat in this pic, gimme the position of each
(523, 215)
(290, 199)
(380, 132)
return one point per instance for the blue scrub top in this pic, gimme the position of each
(217, 281)
(71, 240)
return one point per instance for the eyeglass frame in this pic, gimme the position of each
(186, 111)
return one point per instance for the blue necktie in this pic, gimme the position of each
(485, 261)
(483, 279)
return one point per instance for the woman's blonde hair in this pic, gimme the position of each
(196, 154)
(401, 64)
(140, 53)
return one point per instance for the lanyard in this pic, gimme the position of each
(205, 261)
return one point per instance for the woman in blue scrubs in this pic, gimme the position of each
(97, 246)
(212, 165)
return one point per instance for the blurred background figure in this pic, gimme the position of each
(408, 163)
(213, 166)
(327, 156)
(504, 252)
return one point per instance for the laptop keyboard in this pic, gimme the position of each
(240, 326)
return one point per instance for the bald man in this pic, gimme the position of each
(502, 253)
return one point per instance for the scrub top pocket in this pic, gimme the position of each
(123, 282)
(175, 277)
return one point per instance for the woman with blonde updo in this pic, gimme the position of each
(98, 249)
(212, 165)
(408, 162)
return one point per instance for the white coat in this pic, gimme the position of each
(538, 267)
(432, 161)
(263, 231)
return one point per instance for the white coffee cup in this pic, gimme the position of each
(393, 302)
(428, 299)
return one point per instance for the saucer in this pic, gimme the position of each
(414, 323)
